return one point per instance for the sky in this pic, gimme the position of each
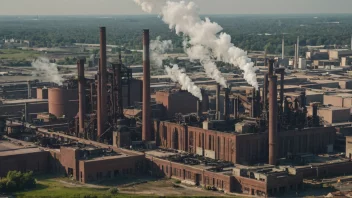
(128, 7)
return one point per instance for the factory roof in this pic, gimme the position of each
(9, 148)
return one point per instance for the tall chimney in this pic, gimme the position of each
(271, 67)
(81, 95)
(297, 51)
(235, 107)
(295, 58)
(265, 92)
(99, 123)
(146, 125)
(226, 104)
(29, 87)
(218, 117)
(103, 80)
(272, 119)
(283, 48)
(253, 110)
(199, 108)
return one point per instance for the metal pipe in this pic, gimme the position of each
(257, 102)
(146, 125)
(99, 123)
(218, 117)
(81, 95)
(295, 58)
(103, 76)
(272, 119)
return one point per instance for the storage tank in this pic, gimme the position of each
(56, 100)
(60, 104)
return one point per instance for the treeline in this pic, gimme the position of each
(248, 32)
(17, 181)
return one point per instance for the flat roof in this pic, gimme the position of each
(20, 151)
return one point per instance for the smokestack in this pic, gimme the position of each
(226, 104)
(253, 111)
(218, 117)
(29, 86)
(283, 48)
(257, 102)
(103, 80)
(199, 108)
(81, 94)
(235, 107)
(146, 125)
(265, 92)
(271, 67)
(99, 123)
(297, 51)
(272, 119)
(295, 58)
(303, 99)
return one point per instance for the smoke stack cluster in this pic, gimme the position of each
(273, 109)
(146, 124)
(81, 95)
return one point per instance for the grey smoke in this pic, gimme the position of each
(47, 70)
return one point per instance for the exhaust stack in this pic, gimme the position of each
(226, 104)
(81, 95)
(199, 108)
(146, 124)
(218, 116)
(273, 109)
(102, 84)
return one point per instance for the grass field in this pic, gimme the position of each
(17, 54)
(63, 187)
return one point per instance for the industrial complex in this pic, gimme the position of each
(109, 121)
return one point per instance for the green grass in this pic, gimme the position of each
(17, 54)
(53, 188)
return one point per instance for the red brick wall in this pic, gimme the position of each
(36, 162)
(160, 167)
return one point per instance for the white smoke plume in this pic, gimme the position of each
(183, 17)
(158, 48)
(146, 5)
(48, 70)
(178, 75)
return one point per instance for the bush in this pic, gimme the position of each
(113, 191)
(177, 181)
(16, 181)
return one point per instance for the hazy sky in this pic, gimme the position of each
(122, 7)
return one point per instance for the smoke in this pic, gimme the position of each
(158, 48)
(183, 18)
(178, 75)
(48, 70)
(146, 5)
(206, 41)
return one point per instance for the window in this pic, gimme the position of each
(116, 173)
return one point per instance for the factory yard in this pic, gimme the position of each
(63, 187)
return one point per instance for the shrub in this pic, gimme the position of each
(113, 191)
(16, 181)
